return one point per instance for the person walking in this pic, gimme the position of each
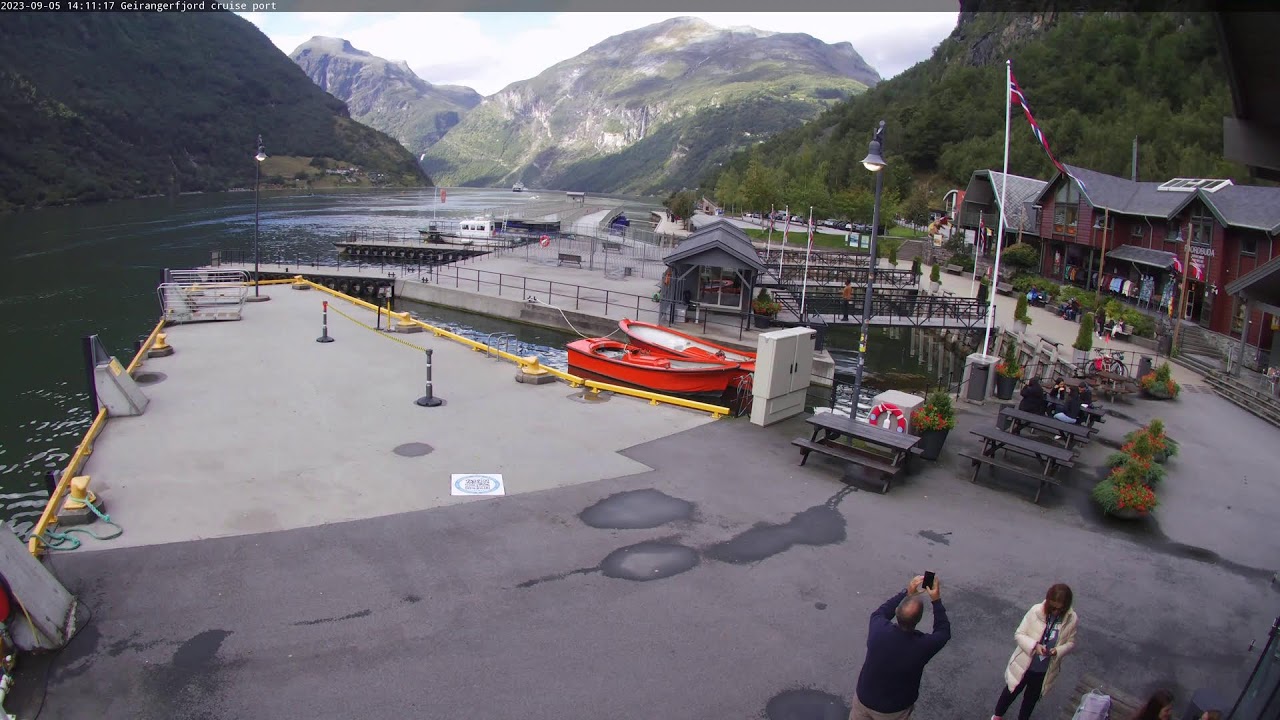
(846, 294)
(889, 682)
(1046, 633)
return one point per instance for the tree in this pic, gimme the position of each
(759, 187)
(681, 204)
(915, 209)
(729, 189)
(1084, 336)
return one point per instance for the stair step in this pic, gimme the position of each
(1263, 409)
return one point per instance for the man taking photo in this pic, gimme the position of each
(897, 653)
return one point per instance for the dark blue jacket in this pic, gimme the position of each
(890, 677)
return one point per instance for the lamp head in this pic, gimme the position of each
(262, 153)
(873, 161)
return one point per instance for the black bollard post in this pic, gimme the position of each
(51, 481)
(324, 326)
(429, 400)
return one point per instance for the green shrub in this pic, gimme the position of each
(1021, 257)
(1020, 310)
(1084, 337)
(935, 275)
(1024, 283)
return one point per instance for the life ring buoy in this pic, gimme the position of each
(666, 278)
(544, 241)
(883, 408)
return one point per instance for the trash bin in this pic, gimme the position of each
(1164, 346)
(978, 367)
(681, 312)
(1144, 365)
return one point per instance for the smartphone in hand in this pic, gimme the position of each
(928, 580)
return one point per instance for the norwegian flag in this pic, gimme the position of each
(1177, 266)
(1017, 96)
(980, 244)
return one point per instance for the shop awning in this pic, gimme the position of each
(1143, 256)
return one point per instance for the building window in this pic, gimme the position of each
(1172, 231)
(1248, 244)
(1135, 230)
(1066, 208)
(1201, 228)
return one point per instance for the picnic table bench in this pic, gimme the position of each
(1123, 705)
(1050, 457)
(954, 269)
(1095, 413)
(1020, 419)
(833, 427)
(1113, 384)
(563, 258)
(611, 246)
(1004, 288)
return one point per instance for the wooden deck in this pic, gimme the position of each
(1123, 705)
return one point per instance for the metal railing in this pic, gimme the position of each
(897, 308)
(200, 295)
(793, 276)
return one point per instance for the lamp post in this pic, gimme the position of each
(874, 161)
(257, 173)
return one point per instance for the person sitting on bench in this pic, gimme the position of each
(1033, 398)
(1070, 412)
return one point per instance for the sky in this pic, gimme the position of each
(488, 51)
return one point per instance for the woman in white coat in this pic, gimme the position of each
(1046, 633)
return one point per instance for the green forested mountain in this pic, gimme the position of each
(647, 110)
(99, 106)
(1094, 81)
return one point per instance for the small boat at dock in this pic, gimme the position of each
(666, 341)
(518, 187)
(640, 367)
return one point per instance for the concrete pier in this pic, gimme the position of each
(291, 548)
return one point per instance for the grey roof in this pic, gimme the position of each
(722, 235)
(1243, 206)
(1120, 195)
(1248, 206)
(1146, 256)
(1020, 192)
(1262, 284)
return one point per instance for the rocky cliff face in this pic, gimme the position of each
(383, 94)
(656, 104)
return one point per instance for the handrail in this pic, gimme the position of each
(716, 411)
(81, 455)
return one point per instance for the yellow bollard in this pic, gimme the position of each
(405, 323)
(160, 348)
(300, 284)
(79, 493)
(532, 372)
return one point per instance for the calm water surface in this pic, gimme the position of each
(67, 273)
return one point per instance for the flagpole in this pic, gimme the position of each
(782, 252)
(768, 241)
(979, 237)
(804, 286)
(1004, 186)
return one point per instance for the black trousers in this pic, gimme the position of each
(846, 304)
(1030, 685)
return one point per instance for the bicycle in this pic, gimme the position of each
(1111, 361)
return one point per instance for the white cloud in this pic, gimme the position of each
(489, 52)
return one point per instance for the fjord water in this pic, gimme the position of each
(70, 272)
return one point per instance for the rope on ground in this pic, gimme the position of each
(533, 299)
(376, 330)
(55, 540)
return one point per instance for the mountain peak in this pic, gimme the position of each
(320, 44)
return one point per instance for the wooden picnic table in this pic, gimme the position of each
(1051, 457)
(1018, 419)
(1113, 384)
(834, 427)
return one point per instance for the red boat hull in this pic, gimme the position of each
(673, 343)
(630, 365)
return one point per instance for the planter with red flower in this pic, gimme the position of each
(1125, 493)
(932, 421)
(1008, 372)
(1159, 385)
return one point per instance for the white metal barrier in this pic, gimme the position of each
(203, 295)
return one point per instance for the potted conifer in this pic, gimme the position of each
(1020, 318)
(1008, 371)
(935, 279)
(1084, 339)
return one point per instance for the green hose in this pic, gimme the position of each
(64, 541)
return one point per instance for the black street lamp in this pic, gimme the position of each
(874, 161)
(257, 173)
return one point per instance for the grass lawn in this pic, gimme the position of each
(798, 239)
(904, 232)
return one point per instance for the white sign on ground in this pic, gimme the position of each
(477, 484)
